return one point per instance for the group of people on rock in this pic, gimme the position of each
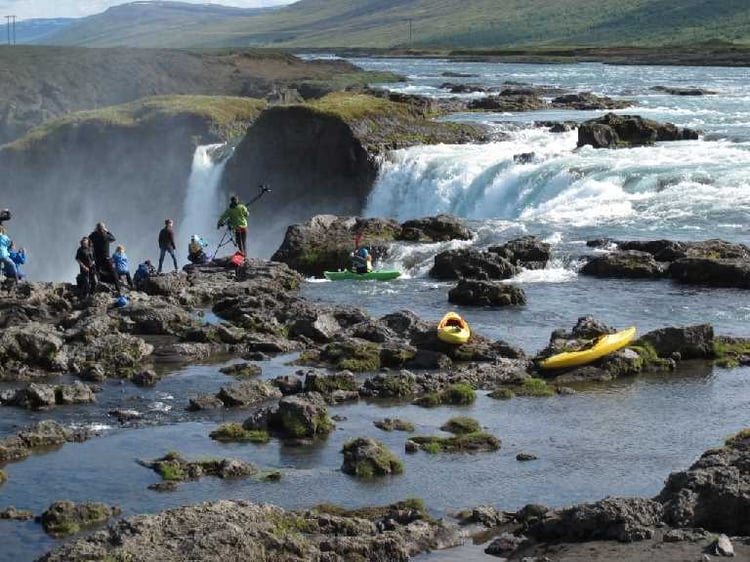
(97, 265)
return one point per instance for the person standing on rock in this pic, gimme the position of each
(236, 217)
(100, 239)
(7, 262)
(167, 244)
(86, 279)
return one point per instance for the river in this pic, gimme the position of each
(620, 438)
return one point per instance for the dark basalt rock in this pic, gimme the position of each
(437, 229)
(247, 393)
(472, 264)
(630, 264)
(288, 384)
(711, 272)
(366, 457)
(588, 101)
(611, 131)
(689, 342)
(486, 293)
(300, 416)
(148, 377)
(511, 101)
(528, 251)
(683, 91)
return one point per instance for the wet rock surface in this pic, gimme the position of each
(486, 293)
(66, 517)
(612, 131)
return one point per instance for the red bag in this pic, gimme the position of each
(237, 259)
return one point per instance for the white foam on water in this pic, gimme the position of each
(683, 182)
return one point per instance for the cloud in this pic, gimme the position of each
(27, 9)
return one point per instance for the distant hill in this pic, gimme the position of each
(417, 23)
(36, 30)
(149, 24)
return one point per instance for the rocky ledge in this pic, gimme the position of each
(616, 131)
(239, 530)
(714, 263)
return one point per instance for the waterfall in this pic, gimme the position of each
(203, 201)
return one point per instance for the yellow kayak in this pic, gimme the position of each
(453, 329)
(603, 345)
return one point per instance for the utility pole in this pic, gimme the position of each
(10, 22)
(410, 30)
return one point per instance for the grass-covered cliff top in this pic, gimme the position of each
(228, 116)
(382, 124)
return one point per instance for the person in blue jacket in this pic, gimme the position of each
(18, 257)
(120, 262)
(5, 259)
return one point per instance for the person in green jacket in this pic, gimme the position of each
(236, 217)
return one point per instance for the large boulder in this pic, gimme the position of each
(34, 344)
(630, 264)
(472, 264)
(528, 251)
(437, 229)
(366, 457)
(156, 317)
(246, 393)
(714, 493)
(510, 102)
(486, 293)
(712, 272)
(66, 517)
(301, 415)
(613, 130)
(325, 242)
(688, 342)
(620, 519)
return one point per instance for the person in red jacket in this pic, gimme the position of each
(166, 244)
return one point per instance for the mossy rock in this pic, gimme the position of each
(459, 394)
(533, 387)
(234, 432)
(502, 393)
(365, 457)
(731, 352)
(66, 517)
(242, 370)
(411, 508)
(740, 440)
(391, 424)
(172, 467)
(3, 477)
(392, 385)
(465, 443)
(461, 425)
(357, 357)
(430, 400)
(326, 384)
(651, 359)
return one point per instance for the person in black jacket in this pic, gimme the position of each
(100, 241)
(86, 279)
(167, 244)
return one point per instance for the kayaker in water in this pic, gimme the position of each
(236, 217)
(361, 261)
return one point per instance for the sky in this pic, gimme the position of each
(28, 9)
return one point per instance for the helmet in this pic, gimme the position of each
(121, 301)
(195, 238)
(363, 252)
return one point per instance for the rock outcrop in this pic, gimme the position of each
(486, 293)
(613, 131)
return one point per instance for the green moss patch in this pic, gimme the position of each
(242, 370)
(461, 425)
(465, 443)
(502, 393)
(231, 432)
(740, 440)
(414, 508)
(651, 359)
(229, 116)
(459, 394)
(730, 351)
(3, 477)
(351, 356)
(533, 387)
(173, 467)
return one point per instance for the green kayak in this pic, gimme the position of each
(378, 274)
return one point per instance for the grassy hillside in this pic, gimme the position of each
(426, 23)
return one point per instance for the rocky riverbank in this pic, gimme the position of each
(698, 513)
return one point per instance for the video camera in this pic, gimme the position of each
(264, 188)
(5, 215)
